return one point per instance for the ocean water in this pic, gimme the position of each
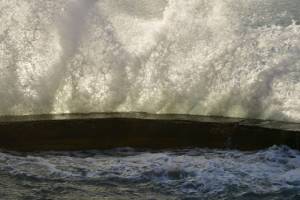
(127, 173)
(236, 58)
(233, 58)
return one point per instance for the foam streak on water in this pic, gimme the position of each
(236, 58)
(273, 173)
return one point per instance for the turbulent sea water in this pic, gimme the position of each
(126, 173)
(237, 58)
(233, 58)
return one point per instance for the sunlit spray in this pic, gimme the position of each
(236, 58)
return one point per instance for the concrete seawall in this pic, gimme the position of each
(141, 130)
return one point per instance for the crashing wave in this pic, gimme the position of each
(236, 58)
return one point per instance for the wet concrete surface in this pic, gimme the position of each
(142, 130)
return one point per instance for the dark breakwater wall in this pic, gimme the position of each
(141, 130)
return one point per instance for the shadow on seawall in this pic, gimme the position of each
(142, 130)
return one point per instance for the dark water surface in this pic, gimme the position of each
(127, 173)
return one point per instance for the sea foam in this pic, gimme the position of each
(236, 58)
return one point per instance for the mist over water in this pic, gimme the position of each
(237, 58)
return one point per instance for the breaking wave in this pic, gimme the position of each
(236, 58)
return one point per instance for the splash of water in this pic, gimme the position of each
(237, 58)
